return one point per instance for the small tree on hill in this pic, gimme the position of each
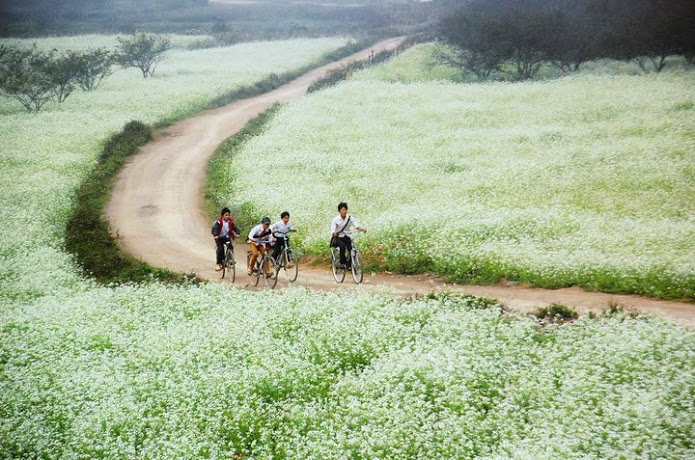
(143, 51)
(25, 76)
(94, 66)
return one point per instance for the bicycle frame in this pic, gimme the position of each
(258, 268)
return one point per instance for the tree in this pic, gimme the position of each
(472, 33)
(94, 66)
(73, 69)
(62, 71)
(144, 51)
(24, 76)
(648, 31)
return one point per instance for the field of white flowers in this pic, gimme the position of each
(587, 179)
(157, 371)
(161, 372)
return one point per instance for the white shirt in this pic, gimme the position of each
(281, 228)
(338, 223)
(254, 235)
(224, 230)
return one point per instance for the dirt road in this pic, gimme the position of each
(156, 213)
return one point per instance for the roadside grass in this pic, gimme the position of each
(87, 235)
(581, 180)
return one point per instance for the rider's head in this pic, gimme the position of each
(285, 216)
(265, 221)
(224, 211)
(342, 209)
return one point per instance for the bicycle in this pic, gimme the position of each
(265, 267)
(228, 262)
(356, 264)
(287, 262)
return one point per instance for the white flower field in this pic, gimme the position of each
(586, 180)
(155, 371)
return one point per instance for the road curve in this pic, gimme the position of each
(156, 213)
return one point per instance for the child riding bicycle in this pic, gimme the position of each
(260, 239)
(342, 226)
(280, 231)
(223, 231)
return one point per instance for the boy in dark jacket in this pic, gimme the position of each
(223, 230)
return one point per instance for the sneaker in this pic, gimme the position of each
(249, 272)
(218, 267)
(342, 267)
(268, 275)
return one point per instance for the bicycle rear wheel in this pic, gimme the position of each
(338, 273)
(290, 266)
(357, 265)
(269, 272)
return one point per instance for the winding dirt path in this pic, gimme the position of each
(156, 214)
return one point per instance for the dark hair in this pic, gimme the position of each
(284, 213)
(265, 220)
(342, 205)
(224, 211)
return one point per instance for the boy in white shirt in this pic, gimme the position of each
(280, 230)
(342, 227)
(259, 238)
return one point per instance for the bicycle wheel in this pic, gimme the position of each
(269, 272)
(338, 273)
(357, 265)
(290, 265)
(229, 264)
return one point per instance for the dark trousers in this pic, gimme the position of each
(279, 245)
(344, 244)
(220, 248)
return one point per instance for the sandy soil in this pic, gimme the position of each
(156, 214)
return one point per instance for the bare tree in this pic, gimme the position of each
(144, 51)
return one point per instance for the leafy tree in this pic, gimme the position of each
(94, 66)
(475, 38)
(62, 71)
(73, 69)
(144, 51)
(25, 76)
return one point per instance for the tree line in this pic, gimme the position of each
(34, 77)
(521, 35)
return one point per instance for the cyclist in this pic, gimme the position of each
(260, 238)
(342, 226)
(280, 230)
(223, 231)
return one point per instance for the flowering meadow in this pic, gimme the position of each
(158, 372)
(583, 180)
(155, 371)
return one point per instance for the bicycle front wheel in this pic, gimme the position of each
(229, 264)
(338, 273)
(357, 265)
(290, 266)
(269, 272)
